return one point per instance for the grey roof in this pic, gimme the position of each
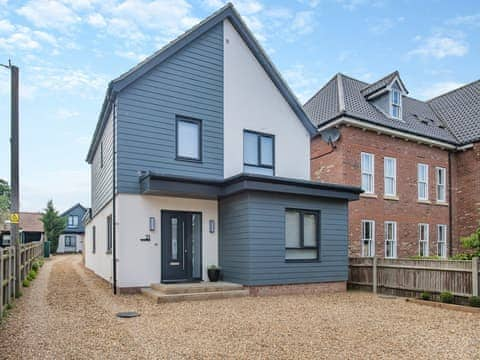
(342, 96)
(460, 109)
(381, 84)
(228, 11)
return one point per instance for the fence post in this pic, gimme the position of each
(475, 276)
(12, 272)
(374, 275)
(1, 282)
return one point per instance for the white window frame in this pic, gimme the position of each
(72, 221)
(423, 242)
(372, 173)
(392, 177)
(393, 104)
(393, 240)
(442, 242)
(371, 241)
(422, 182)
(441, 187)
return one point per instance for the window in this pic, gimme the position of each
(301, 235)
(368, 238)
(441, 184)
(367, 164)
(70, 241)
(94, 239)
(109, 233)
(390, 239)
(396, 104)
(189, 143)
(422, 182)
(423, 239)
(390, 176)
(258, 153)
(72, 221)
(101, 154)
(442, 241)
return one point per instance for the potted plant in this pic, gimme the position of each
(213, 273)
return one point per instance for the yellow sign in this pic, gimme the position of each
(14, 218)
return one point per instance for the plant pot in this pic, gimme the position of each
(213, 274)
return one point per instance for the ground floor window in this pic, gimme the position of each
(368, 238)
(390, 239)
(70, 241)
(109, 234)
(423, 239)
(442, 241)
(301, 234)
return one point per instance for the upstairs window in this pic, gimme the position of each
(258, 153)
(390, 175)
(189, 143)
(441, 184)
(396, 104)
(367, 163)
(422, 182)
(72, 221)
(423, 239)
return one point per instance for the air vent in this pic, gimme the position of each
(424, 121)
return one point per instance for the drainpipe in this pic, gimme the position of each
(450, 206)
(114, 212)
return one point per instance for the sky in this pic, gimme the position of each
(68, 50)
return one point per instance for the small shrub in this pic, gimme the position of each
(32, 274)
(5, 313)
(40, 262)
(18, 295)
(446, 297)
(29, 278)
(26, 283)
(9, 306)
(35, 266)
(462, 257)
(425, 295)
(474, 301)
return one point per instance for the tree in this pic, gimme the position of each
(4, 201)
(53, 224)
(472, 242)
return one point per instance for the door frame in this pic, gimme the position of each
(163, 263)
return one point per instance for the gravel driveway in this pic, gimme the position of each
(69, 313)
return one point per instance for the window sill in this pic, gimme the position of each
(108, 252)
(180, 158)
(302, 260)
(390, 197)
(425, 202)
(441, 203)
(367, 195)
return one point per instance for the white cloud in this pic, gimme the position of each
(131, 55)
(380, 26)
(6, 26)
(439, 88)
(66, 114)
(303, 83)
(22, 38)
(245, 7)
(303, 22)
(96, 20)
(439, 46)
(49, 14)
(470, 20)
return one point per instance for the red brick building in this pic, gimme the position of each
(418, 163)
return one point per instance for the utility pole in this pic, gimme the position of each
(14, 172)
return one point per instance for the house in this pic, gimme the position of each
(71, 240)
(201, 157)
(417, 161)
(30, 226)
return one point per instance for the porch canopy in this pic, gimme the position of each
(192, 187)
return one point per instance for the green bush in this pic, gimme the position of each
(9, 306)
(425, 295)
(462, 257)
(35, 266)
(474, 301)
(32, 274)
(26, 283)
(446, 297)
(18, 295)
(40, 262)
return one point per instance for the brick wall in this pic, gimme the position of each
(466, 183)
(343, 166)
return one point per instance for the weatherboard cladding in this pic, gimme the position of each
(252, 240)
(460, 109)
(415, 112)
(188, 84)
(102, 177)
(77, 210)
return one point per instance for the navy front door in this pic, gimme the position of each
(181, 246)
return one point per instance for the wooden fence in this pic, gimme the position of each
(407, 277)
(28, 254)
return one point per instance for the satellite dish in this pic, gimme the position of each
(330, 136)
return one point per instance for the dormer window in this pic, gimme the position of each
(396, 104)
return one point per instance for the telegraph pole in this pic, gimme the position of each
(14, 182)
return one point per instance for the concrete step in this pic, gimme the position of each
(196, 287)
(160, 297)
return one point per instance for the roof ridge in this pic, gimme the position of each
(323, 87)
(382, 79)
(453, 90)
(341, 94)
(352, 78)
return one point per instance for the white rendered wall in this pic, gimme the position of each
(100, 262)
(61, 244)
(139, 262)
(252, 102)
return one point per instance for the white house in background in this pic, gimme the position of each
(71, 240)
(201, 156)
